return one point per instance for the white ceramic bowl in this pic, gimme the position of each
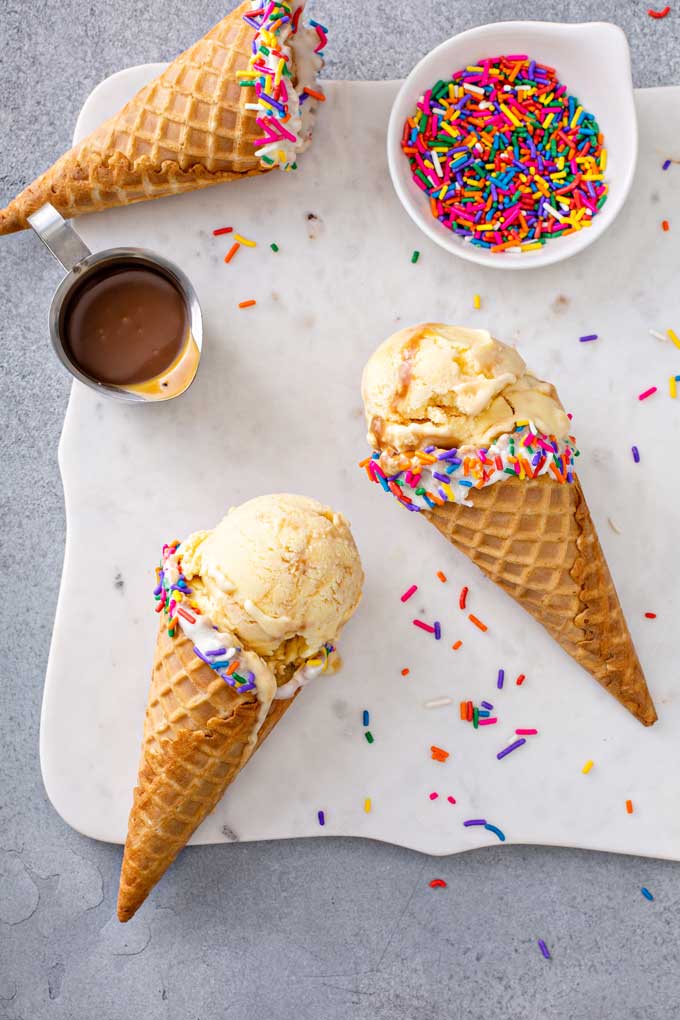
(592, 60)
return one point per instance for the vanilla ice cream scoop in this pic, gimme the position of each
(452, 387)
(282, 572)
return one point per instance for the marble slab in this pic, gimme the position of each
(276, 406)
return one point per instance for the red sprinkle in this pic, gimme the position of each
(405, 671)
(437, 883)
(222, 230)
(409, 592)
(423, 626)
(477, 623)
(665, 225)
(462, 598)
(520, 679)
(651, 616)
(659, 14)
(187, 616)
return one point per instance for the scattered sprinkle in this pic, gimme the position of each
(613, 526)
(659, 14)
(247, 304)
(520, 679)
(405, 671)
(274, 247)
(367, 805)
(474, 821)
(586, 339)
(438, 753)
(636, 454)
(666, 164)
(510, 748)
(501, 679)
(456, 646)
(369, 736)
(587, 767)
(365, 717)
(322, 818)
(647, 393)
(437, 883)
(437, 630)
(673, 337)
(477, 623)
(477, 301)
(650, 616)
(232, 251)
(672, 385)
(222, 230)
(665, 225)
(409, 592)
(487, 705)
(415, 257)
(442, 577)
(544, 949)
(496, 831)
(424, 626)
(462, 598)
(646, 893)
(488, 722)
(526, 733)
(244, 240)
(438, 702)
(629, 807)
(451, 800)
(657, 335)
(433, 796)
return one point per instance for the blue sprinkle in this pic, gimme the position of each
(496, 831)
(465, 482)
(366, 717)
(646, 893)
(666, 164)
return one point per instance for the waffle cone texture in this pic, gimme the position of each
(198, 735)
(187, 129)
(536, 540)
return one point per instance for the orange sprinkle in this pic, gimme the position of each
(463, 711)
(316, 95)
(234, 666)
(405, 671)
(232, 251)
(629, 807)
(441, 576)
(439, 754)
(247, 304)
(477, 623)
(457, 645)
(665, 225)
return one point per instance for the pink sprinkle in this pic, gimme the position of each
(433, 796)
(647, 393)
(409, 592)
(487, 722)
(423, 626)
(451, 800)
(526, 733)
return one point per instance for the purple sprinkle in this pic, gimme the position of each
(512, 747)
(158, 589)
(322, 818)
(200, 654)
(448, 455)
(666, 164)
(544, 949)
(437, 630)
(440, 477)
(217, 651)
(586, 339)
(475, 821)
(487, 705)
(501, 679)
(636, 454)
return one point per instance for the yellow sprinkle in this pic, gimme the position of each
(548, 120)
(279, 71)
(367, 805)
(244, 240)
(532, 247)
(509, 114)
(477, 301)
(673, 387)
(560, 162)
(449, 491)
(587, 767)
(603, 160)
(577, 113)
(449, 130)
(522, 423)
(672, 335)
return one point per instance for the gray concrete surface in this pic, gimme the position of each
(312, 930)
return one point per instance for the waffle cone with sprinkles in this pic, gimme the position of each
(207, 118)
(537, 541)
(198, 734)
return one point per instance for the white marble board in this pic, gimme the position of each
(276, 407)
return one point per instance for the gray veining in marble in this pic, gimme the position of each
(318, 929)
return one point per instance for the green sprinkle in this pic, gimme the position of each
(266, 159)
(369, 736)
(420, 491)
(475, 718)
(293, 166)
(509, 471)
(415, 257)
(245, 84)
(274, 247)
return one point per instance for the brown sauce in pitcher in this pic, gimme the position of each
(125, 324)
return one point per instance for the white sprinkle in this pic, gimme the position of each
(554, 212)
(613, 526)
(438, 702)
(473, 88)
(437, 164)
(659, 336)
(251, 106)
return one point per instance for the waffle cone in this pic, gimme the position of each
(536, 540)
(187, 129)
(198, 735)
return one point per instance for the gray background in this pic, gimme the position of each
(317, 929)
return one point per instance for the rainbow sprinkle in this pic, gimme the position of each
(507, 158)
(544, 949)
(646, 893)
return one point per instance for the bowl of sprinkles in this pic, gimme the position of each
(514, 145)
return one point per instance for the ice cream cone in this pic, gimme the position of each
(536, 540)
(189, 128)
(198, 735)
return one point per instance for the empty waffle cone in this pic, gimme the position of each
(188, 129)
(536, 540)
(198, 735)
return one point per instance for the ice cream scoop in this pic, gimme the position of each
(282, 572)
(452, 387)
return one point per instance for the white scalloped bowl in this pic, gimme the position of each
(592, 60)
